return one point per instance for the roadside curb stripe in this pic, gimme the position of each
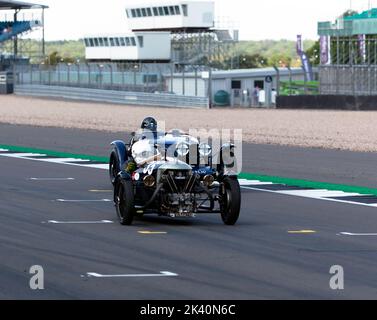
(54, 157)
(250, 181)
(52, 153)
(309, 184)
(323, 197)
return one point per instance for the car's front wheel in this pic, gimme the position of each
(230, 201)
(113, 167)
(124, 202)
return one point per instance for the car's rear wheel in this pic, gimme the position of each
(230, 203)
(124, 202)
(113, 168)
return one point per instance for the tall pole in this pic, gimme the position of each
(210, 73)
(43, 34)
(15, 41)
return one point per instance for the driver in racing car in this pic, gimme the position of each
(148, 130)
(141, 149)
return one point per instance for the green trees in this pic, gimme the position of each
(249, 61)
(54, 58)
(314, 54)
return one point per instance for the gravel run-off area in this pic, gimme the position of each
(346, 130)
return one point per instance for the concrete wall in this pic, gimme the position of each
(328, 102)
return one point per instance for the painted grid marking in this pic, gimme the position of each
(52, 179)
(78, 200)
(161, 274)
(79, 222)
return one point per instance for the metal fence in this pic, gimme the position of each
(141, 77)
(111, 96)
(353, 80)
(137, 78)
(352, 68)
(353, 50)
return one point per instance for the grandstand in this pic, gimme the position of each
(9, 30)
(12, 29)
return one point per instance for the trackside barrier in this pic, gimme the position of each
(118, 97)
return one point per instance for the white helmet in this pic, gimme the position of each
(144, 152)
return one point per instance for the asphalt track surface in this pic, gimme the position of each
(256, 259)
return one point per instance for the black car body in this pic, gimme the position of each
(180, 178)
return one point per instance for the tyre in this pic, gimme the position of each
(230, 203)
(124, 202)
(113, 167)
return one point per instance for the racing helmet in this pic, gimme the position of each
(144, 152)
(149, 124)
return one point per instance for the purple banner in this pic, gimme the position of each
(362, 46)
(304, 59)
(299, 46)
(324, 48)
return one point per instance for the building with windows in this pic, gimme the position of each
(171, 16)
(167, 31)
(134, 46)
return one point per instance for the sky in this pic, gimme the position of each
(256, 20)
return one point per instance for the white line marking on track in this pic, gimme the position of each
(52, 179)
(23, 155)
(317, 193)
(161, 274)
(245, 182)
(67, 200)
(357, 234)
(63, 160)
(57, 160)
(79, 222)
(313, 197)
(97, 166)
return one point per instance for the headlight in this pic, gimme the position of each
(149, 181)
(208, 180)
(183, 149)
(205, 150)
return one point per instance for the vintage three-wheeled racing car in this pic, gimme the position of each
(173, 174)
